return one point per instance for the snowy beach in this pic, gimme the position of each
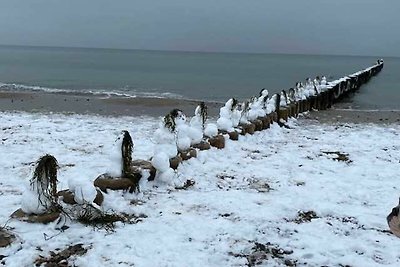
(199, 133)
(317, 195)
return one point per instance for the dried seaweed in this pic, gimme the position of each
(285, 96)
(188, 183)
(61, 258)
(203, 113)
(315, 89)
(169, 119)
(277, 98)
(44, 180)
(91, 216)
(291, 95)
(305, 216)
(340, 156)
(265, 252)
(265, 99)
(126, 151)
(234, 104)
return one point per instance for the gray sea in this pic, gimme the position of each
(185, 75)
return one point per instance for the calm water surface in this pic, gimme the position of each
(205, 76)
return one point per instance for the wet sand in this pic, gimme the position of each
(119, 106)
(114, 106)
(354, 116)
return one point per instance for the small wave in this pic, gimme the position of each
(121, 92)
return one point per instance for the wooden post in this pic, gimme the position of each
(188, 154)
(283, 113)
(203, 145)
(293, 110)
(217, 141)
(258, 125)
(174, 162)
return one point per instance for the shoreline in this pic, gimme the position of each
(34, 102)
(95, 105)
(355, 116)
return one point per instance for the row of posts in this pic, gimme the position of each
(334, 92)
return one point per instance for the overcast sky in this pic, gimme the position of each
(347, 27)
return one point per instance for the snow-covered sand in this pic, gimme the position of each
(218, 221)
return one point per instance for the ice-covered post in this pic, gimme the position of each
(264, 113)
(229, 118)
(318, 93)
(198, 127)
(323, 93)
(126, 164)
(293, 104)
(273, 107)
(245, 124)
(123, 173)
(277, 98)
(255, 113)
(207, 131)
(300, 97)
(283, 112)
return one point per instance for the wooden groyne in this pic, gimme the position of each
(326, 96)
(276, 109)
(335, 91)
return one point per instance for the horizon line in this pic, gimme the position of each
(185, 51)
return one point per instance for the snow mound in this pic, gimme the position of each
(211, 130)
(160, 161)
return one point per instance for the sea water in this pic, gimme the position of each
(185, 75)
